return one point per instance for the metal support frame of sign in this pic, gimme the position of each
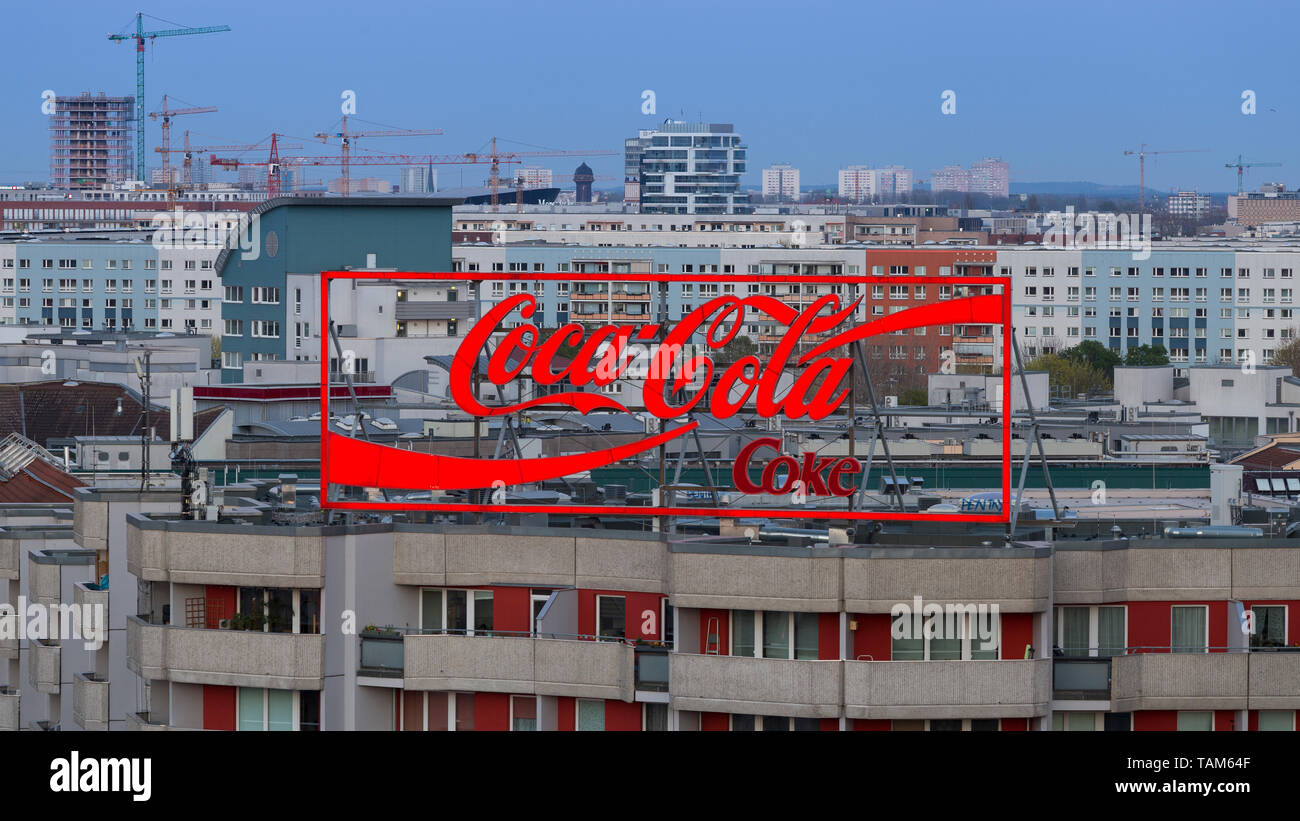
(1014, 503)
(360, 463)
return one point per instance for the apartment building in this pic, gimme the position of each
(1203, 304)
(991, 176)
(781, 182)
(123, 281)
(857, 183)
(950, 178)
(238, 628)
(587, 227)
(1188, 204)
(90, 140)
(271, 300)
(687, 168)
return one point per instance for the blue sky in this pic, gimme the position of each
(1058, 90)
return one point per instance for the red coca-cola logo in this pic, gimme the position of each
(818, 390)
(805, 376)
(811, 474)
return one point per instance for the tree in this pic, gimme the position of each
(1289, 354)
(1147, 355)
(739, 346)
(1095, 355)
(914, 396)
(1068, 376)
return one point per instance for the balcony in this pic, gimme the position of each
(10, 555)
(473, 555)
(237, 658)
(774, 687)
(1016, 688)
(181, 552)
(1181, 681)
(10, 703)
(500, 664)
(86, 593)
(43, 579)
(43, 666)
(382, 653)
(142, 722)
(755, 578)
(1272, 678)
(1018, 580)
(90, 701)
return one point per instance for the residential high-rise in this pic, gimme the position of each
(861, 183)
(894, 179)
(991, 176)
(781, 182)
(90, 140)
(1188, 204)
(857, 183)
(530, 176)
(950, 178)
(686, 168)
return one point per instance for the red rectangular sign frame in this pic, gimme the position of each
(1002, 517)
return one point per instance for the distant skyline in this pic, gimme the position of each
(1058, 92)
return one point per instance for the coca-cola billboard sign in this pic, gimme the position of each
(803, 377)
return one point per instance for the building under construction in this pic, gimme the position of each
(90, 140)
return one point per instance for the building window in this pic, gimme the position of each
(590, 715)
(459, 612)
(768, 634)
(523, 713)
(1197, 720)
(265, 709)
(611, 613)
(1268, 623)
(266, 296)
(1277, 719)
(947, 636)
(1190, 629)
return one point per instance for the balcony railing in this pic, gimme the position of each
(1081, 679)
(652, 664)
(513, 662)
(90, 701)
(382, 653)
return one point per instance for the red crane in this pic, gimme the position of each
(190, 149)
(166, 114)
(346, 138)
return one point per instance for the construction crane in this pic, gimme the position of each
(275, 161)
(1242, 166)
(273, 165)
(189, 150)
(166, 114)
(139, 37)
(495, 159)
(498, 157)
(1142, 153)
(346, 138)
